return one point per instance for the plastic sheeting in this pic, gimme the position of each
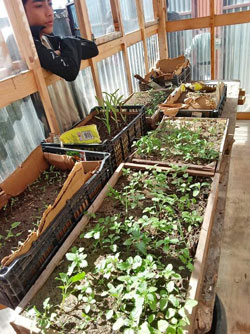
(136, 63)
(129, 15)
(21, 131)
(153, 50)
(10, 60)
(148, 10)
(112, 74)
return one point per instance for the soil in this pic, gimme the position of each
(72, 309)
(115, 128)
(211, 130)
(27, 209)
(150, 99)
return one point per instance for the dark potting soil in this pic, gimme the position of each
(71, 317)
(115, 128)
(22, 214)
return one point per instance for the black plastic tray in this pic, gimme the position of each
(120, 146)
(17, 278)
(212, 113)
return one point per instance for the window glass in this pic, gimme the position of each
(21, 132)
(232, 56)
(100, 16)
(153, 50)
(112, 74)
(11, 61)
(179, 9)
(195, 45)
(137, 63)
(231, 6)
(129, 15)
(148, 10)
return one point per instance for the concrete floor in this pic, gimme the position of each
(233, 285)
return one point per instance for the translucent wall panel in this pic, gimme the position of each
(148, 10)
(100, 16)
(179, 9)
(112, 74)
(136, 62)
(21, 131)
(232, 56)
(231, 6)
(195, 45)
(10, 59)
(84, 92)
(129, 15)
(153, 50)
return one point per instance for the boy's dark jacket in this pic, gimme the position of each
(73, 50)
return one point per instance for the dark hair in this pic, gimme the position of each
(24, 2)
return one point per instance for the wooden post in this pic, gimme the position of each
(27, 48)
(162, 14)
(212, 41)
(141, 19)
(86, 32)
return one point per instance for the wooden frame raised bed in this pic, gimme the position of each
(202, 170)
(23, 326)
(151, 121)
(79, 191)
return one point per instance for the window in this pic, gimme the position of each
(11, 61)
(231, 6)
(148, 10)
(179, 10)
(129, 15)
(136, 62)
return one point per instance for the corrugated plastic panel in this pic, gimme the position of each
(179, 9)
(136, 62)
(153, 50)
(195, 45)
(233, 54)
(21, 132)
(231, 6)
(112, 74)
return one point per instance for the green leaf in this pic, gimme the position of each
(163, 303)
(162, 325)
(144, 329)
(141, 247)
(14, 225)
(137, 311)
(88, 235)
(70, 256)
(190, 304)
(174, 300)
(196, 192)
(170, 286)
(78, 277)
(97, 235)
(170, 313)
(109, 314)
(129, 331)
(118, 324)
(151, 318)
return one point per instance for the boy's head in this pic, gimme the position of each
(40, 13)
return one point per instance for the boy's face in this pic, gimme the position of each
(40, 13)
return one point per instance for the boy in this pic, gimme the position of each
(61, 56)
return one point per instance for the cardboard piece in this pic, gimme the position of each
(171, 64)
(25, 174)
(63, 162)
(74, 182)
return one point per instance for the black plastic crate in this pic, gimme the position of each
(120, 146)
(212, 113)
(17, 278)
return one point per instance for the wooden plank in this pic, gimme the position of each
(116, 16)
(232, 18)
(212, 39)
(17, 87)
(243, 115)
(152, 30)
(108, 37)
(188, 24)
(127, 66)
(163, 46)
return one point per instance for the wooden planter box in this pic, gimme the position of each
(120, 146)
(83, 184)
(22, 325)
(151, 121)
(201, 170)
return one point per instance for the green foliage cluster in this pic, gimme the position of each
(180, 141)
(139, 283)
